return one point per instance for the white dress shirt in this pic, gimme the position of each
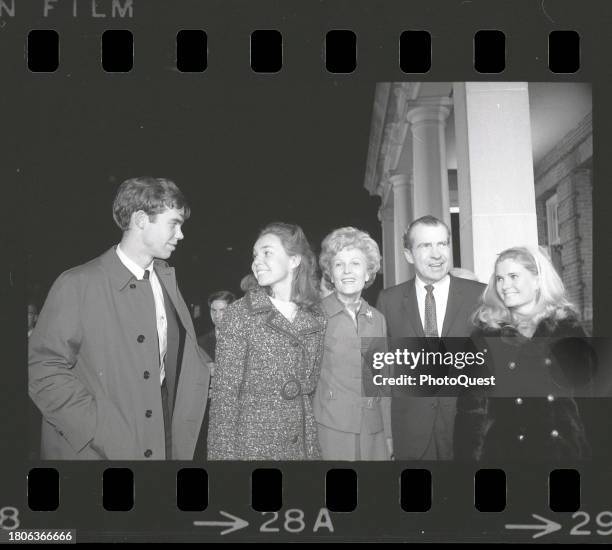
(440, 294)
(160, 310)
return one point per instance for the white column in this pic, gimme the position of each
(395, 215)
(385, 216)
(401, 189)
(495, 171)
(430, 173)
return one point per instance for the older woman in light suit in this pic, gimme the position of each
(351, 426)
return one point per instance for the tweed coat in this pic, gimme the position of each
(340, 402)
(94, 368)
(267, 369)
(527, 428)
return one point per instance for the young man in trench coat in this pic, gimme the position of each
(114, 364)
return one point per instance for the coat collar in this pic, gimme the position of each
(306, 320)
(121, 275)
(332, 305)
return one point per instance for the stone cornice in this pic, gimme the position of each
(387, 132)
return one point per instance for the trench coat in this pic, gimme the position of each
(527, 428)
(94, 368)
(341, 402)
(267, 369)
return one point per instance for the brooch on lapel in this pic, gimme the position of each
(368, 314)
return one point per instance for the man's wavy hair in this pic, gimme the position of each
(349, 237)
(151, 195)
(304, 285)
(551, 299)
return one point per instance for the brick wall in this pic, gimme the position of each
(562, 171)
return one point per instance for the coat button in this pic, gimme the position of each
(521, 437)
(434, 404)
(148, 453)
(518, 401)
(554, 433)
(548, 361)
(132, 285)
(512, 365)
(146, 374)
(140, 339)
(294, 439)
(550, 398)
(148, 413)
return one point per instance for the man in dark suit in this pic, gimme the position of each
(114, 365)
(432, 304)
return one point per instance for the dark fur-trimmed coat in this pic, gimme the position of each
(526, 428)
(266, 373)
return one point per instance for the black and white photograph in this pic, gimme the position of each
(305, 271)
(215, 309)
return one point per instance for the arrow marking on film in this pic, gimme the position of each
(233, 525)
(546, 526)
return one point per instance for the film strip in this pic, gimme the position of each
(325, 115)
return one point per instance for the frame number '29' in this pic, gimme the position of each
(603, 521)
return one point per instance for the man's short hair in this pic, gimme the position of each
(151, 195)
(224, 295)
(424, 220)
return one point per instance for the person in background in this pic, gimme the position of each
(32, 317)
(248, 282)
(352, 424)
(217, 304)
(525, 300)
(268, 357)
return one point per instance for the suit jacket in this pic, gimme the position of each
(412, 418)
(94, 367)
(340, 401)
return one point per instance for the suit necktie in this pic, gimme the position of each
(431, 322)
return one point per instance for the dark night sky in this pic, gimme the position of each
(245, 152)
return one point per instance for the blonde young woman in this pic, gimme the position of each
(524, 301)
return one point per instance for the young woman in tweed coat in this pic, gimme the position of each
(268, 357)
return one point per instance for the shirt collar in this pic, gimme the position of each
(439, 286)
(134, 268)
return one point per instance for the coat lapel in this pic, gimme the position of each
(453, 305)
(411, 308)
(167, 278)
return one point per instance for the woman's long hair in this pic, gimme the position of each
(304, 290)
(551, 298)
